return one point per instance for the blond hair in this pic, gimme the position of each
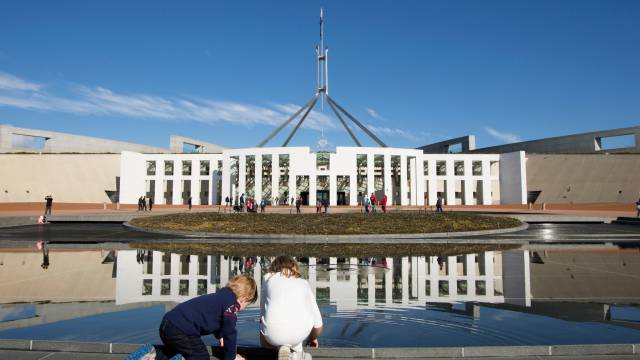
(244, 286)
(285, 265)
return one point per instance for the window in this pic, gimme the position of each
(462, 287)
(168, 167)
(443, 288)
(183, 290)
(458, 168)
(202, 286)
(481, 287)
(151, 167)
(186, 167)
(425, 167)
(204, 167)
(322, 161)
(476, 167)
(147, 286)
(165, 287)
(441, 168)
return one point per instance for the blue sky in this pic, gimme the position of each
(415, 72)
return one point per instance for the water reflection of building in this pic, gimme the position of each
(489, 277)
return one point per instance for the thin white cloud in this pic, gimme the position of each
(23, 94)
(374, 114)
(10, 82)
(395, 132)
(503, 136)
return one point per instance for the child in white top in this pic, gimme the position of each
(289, 314)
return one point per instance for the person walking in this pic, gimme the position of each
(366, 204)
(374, 202)
(144, 203)
(150, 203)
(189, 202)
(242, 202)
(140, 203)
(226, 202)
(293, 200)
(263, 204)
(48, 204)
(318, 206)
(325, 203)
(384, 203)
(439, 204)
(298, 203)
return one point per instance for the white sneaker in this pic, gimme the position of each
(284, 353)
(301, 355)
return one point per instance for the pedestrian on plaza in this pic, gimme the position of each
(150, 203)
(189, 202)
(366, 204)
(214, 314)
(293, 200)
(263, 204)
(384, 203)
(226, 201)
(638, 207)
(374, 202)
(45, 255)
(144, 203)
(325, 203)
(48, 204)
(439, 204)
(318, 206)
(140, 203)
(298, 203)
(242, 202)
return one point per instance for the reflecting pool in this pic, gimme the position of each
(504, 297)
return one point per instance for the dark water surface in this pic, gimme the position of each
(577, 295)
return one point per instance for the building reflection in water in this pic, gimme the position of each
(493, 277)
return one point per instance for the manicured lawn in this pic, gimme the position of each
(326, 224)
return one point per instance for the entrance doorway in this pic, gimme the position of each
(342, 198)
(322, 195)
(305, 197)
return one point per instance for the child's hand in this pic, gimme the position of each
(314, 343)
(240, 357)
(221, 342)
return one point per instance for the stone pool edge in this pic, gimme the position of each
(367, 353)
(371, 238)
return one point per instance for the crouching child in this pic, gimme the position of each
(182, 327)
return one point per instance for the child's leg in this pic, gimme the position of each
(176, 342)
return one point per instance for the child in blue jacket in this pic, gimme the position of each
(182, 327)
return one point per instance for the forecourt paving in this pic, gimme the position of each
(36, 349)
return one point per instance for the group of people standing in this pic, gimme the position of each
(371, 203)
(145, 203)
(239, 204)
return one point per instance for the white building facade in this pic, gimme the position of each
(343, 177)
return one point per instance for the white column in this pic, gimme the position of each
(333, 190)
(242, 175)
(275, 176)
(405, 280)
(450, 183)
(414, 178)
(452, 264)
(387, 179)
(313, 177)
(293, 191)
(226, 178)
(434, 277)
(370, 174)
(403, 180)
(177, 184)
(388, 282)
(488, 263)
(158, 192)
(195, 188)
(422, 275)
(258, 178)
(353, 189)
(414, 276)
(371, 289)
(312, 274)
(420, 179)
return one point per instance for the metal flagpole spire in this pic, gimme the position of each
(322, 94)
